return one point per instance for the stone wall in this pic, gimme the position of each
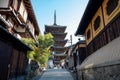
(111, 72)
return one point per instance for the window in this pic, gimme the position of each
(23, 11)
(111, 5)
(97, 23)
(88, 34)
(111, 10)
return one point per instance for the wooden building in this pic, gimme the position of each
(59, 35)
(100, 24)
(77, 54)
(17, 20)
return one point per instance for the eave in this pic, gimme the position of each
(61, 42)
(32, 15)
(51, 27)
(60, 55)
(15, 42)
(11, 12)
(57, 26)
(56, 40)
(58, 47)
(75, 45)
(90, 10)
(59, 34)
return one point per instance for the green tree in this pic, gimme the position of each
(40, 51)
(45, 41)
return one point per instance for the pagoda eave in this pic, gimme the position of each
(55, 26)
(59, 52)
(59, 33)
(60, 55)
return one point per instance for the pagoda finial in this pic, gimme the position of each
(55, 17)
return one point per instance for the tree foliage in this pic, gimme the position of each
(40, 51)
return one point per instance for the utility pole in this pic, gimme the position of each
(71, 39)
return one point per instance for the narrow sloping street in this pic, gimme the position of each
(56, 74)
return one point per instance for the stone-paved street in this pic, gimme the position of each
(56, 74)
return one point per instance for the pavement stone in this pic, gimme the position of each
(56, 74)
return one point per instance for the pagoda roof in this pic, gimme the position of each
(60, 54)
(59, 49)
(55, 29)
(59, 36)
(58, 33)
(57, 26)
(60, 42)
(59, 57)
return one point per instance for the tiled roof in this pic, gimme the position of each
(32, 15)
(90, 10)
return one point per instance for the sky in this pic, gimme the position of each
(68, 13)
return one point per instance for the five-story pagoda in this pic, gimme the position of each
(59, 35)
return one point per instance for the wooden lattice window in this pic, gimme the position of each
(111, 5)
(88, 34)
(97, 23)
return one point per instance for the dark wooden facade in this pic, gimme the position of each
(4, 60)
(102, 25)
(17, 20)
(111, 32)
(12, 55)
(77, 54)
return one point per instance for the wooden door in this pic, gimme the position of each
(5, 53)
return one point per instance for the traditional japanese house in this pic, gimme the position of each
(17, 20)
(77, 54)
(59, 35)
(70, 57)
(100, 24)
